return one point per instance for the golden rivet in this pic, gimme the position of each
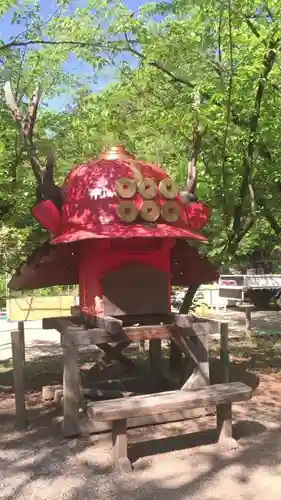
(125, 187)
(168, 188)
(127, 211)
(147, 188)
(149, 211)
(170, 211)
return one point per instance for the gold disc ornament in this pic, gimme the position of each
(170, 211)
(168, 188)
(127, 211)
(147, 188)
(150, 211)
(125, 187)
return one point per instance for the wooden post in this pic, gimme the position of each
(224, 422)
(176, 357)
(21, 331)
(224, 354)
(19, 376)
(120, 445)
(248, 320)
(197, 348)
(71, 390)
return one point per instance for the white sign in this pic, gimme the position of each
(101, 193)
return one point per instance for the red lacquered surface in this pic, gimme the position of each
(90, 202)
(97, 258)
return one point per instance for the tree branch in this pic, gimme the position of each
(252, 27)
(158, 65)
(268, 62)
(228, 107)
(26, 43)
(195, 151)
(44, 175)
(268, 215)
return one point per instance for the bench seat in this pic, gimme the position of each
(119, 410)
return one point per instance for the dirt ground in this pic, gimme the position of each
(173, 461)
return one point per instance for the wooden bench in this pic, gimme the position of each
(119, 410)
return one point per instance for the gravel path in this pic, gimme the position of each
(40, 464)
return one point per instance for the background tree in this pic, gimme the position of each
(197, 81)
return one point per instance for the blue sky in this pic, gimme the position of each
(48, 7)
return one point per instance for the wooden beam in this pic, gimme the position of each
(91, 426)
(19, 376)
(152, 404)
(71, 390)
(131, 319)
(22, 337)
(197, 349)
(109, 324)
(81, 336)
(176, 358)
(114, 353)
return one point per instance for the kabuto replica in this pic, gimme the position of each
(123, 233)
(121, 230)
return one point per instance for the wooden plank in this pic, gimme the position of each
(19, 376)
(109, 324)
(114, 353)
(200, 325)
(148, 319)
(133, 319)
(71, 392)
(81, 336)
(90, 425)
(195, 349)
(93, 395)
(201, 374)
(170, 401)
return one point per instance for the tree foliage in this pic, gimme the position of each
(185, 70)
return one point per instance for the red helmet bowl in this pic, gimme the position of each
(90, 202)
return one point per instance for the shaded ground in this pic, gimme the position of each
(40, 464)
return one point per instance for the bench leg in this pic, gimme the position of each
(224, 426)
(224, 421)
(120, 445)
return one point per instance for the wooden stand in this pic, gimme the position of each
(188, 333)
